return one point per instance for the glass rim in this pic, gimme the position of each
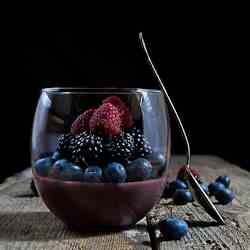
(85, 90)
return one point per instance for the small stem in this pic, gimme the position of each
(171, 211)
(152, 236)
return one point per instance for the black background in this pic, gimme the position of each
(202, 58)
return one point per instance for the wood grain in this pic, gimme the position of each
(25, 223)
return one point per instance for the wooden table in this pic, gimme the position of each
(25, 223)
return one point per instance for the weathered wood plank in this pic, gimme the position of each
(25, 223)
(205, 235)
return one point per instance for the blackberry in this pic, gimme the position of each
(75, 148)
(142, 146)
(63, 143)
(122, 147)
(89, 147)
(81, 149)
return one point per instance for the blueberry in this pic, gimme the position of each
(65, 170)
(173, 186)
(115, 172)
(224, 196)
(56, 156)
(93, 174)
(158, 162)
(214, 187)
(225, 180)
(58, 167)
(139, 170)
(42, 166)
(178, 184)
(73, 173)
(182, 196)
(173, 228)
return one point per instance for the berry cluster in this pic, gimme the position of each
(103, 146)
(178, 189)
(220, 189)
(174, 228)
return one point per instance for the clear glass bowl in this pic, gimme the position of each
(100, 156)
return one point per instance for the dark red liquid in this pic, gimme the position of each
(88, 205)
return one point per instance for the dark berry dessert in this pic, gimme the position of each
(106, 166)
(103, 145)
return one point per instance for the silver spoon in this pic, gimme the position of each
(198, 193)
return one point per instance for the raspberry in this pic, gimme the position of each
(127, 119)
(126, 116)
(115, 100)
(106, 119)
(182, 173)
(81, 123)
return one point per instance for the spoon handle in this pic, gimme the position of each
(168, 99)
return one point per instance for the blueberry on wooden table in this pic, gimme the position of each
(225, 180)
(173, 186)
(173, 228)
(224, 196)
(214, 187)
(182, 196)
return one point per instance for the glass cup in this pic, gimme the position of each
(100, 156)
